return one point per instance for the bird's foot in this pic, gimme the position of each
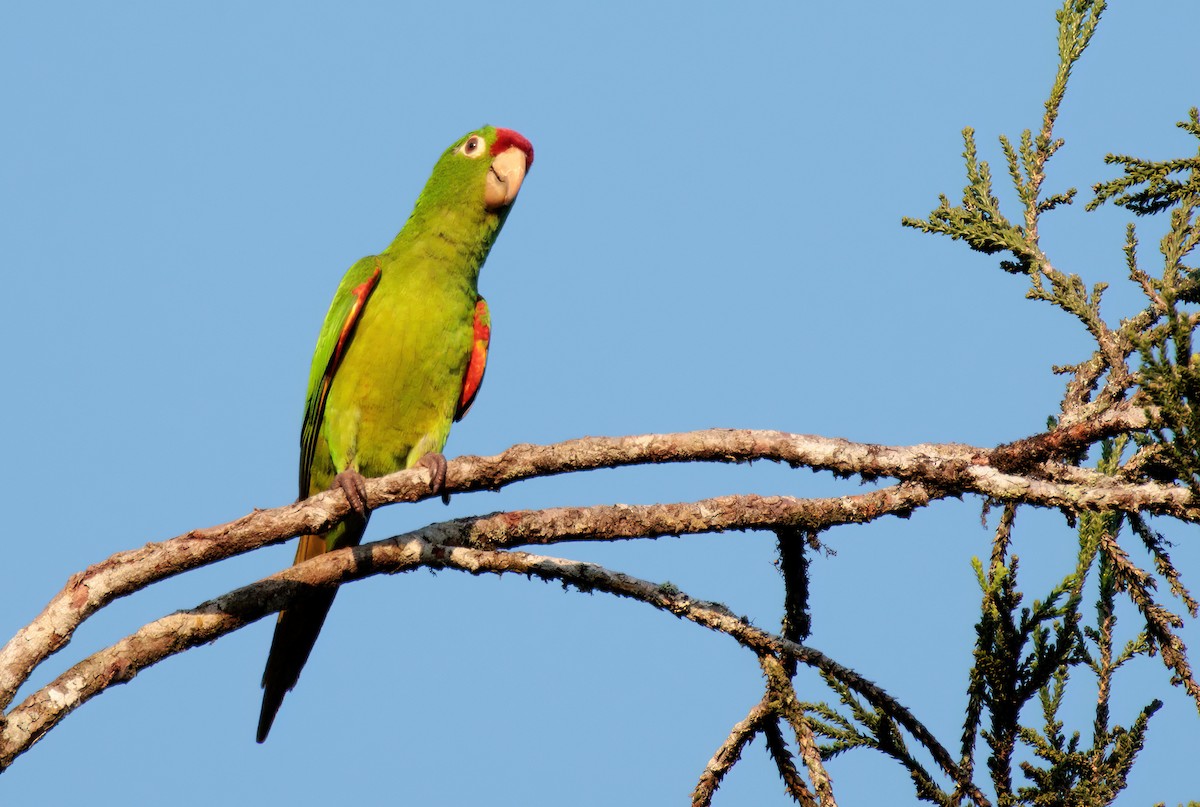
(354, 485)
(435, 463)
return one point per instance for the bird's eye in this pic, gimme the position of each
(473, 147)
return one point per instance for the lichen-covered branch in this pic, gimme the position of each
(927, 472)
(177, 632)
(781, 691)
(730, 752)
(126, 572)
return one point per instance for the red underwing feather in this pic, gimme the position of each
(360, 292)
(473, 378)
(315, 401)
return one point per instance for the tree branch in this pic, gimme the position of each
(730, 752)
(926, 473)
(782, 692)
(1021, 456)
(210, 620)
(126, 572)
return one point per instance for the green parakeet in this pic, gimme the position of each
(399, 358)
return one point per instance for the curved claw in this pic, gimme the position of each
(435, 463)
(354, 485)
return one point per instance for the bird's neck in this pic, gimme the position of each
(451, 234)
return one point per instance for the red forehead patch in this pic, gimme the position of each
(506, 138)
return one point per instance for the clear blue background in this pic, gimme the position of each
(710, 237)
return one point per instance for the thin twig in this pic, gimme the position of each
(729, 753)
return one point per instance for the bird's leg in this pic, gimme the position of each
(435, 463)
(352, 483)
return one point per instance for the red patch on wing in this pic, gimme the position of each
(361, 292)
(506, 138)
(473, 378)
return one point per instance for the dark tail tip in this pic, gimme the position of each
(295, 634)
(283, 669)
(270, 707)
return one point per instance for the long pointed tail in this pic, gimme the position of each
(299, 625)
(295, 634)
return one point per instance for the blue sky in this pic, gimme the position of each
(710, 237)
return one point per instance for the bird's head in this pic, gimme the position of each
(488, 165)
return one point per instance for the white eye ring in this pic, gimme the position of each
(473, 147)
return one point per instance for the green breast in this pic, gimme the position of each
(394, 395)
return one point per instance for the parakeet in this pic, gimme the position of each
(399, 358)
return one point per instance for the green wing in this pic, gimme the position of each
(344, 313)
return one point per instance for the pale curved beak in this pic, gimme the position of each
(504, 178)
